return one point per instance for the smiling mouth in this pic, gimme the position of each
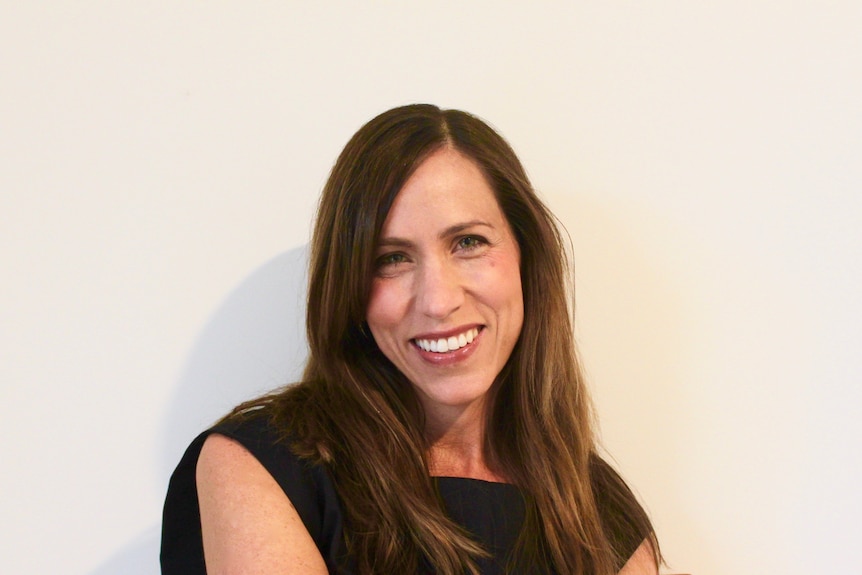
(447, 344)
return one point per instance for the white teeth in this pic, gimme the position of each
(443, 345)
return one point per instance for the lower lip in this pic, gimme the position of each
(450, 357)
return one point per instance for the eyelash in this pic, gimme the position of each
(386, 259)
(473, 242)
(478, 241)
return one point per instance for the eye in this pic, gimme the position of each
(471, 242)
(392, 259)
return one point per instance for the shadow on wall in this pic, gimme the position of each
(253, 343)
(139, 557)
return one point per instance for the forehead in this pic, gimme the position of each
(446, 187)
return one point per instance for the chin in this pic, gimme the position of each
(458, 397)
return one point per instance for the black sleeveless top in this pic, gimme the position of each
(492, 512)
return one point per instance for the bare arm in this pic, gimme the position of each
(642, 561)
(248, 524)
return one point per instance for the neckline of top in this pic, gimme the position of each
(481, 481)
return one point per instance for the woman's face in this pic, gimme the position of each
(446, 305)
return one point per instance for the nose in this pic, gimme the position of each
(440, 290)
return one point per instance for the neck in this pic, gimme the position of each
(456, 441)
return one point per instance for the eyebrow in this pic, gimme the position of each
(448, 232)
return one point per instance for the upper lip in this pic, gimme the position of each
(446, 334)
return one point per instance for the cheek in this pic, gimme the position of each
(382, 312)
(516, 298)
(511, 299)
(504, 283)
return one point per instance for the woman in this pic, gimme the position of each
(442, 424)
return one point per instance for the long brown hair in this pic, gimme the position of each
(357, 414)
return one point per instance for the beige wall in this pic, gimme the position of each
(159, 165)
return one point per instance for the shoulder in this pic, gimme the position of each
(642, 561)
(247, 522)
(625, 521)
(242, 464)
(252, 443)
